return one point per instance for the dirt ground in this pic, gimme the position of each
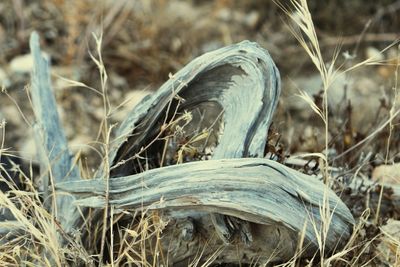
(144, 41)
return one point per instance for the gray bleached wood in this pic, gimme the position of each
(53, 154)
(256, 204)
(257, 190)
(242, 80)
(262, 204)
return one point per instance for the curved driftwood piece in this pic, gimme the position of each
(241, 80)
(235, 91)
(272, 197)
(217, 108)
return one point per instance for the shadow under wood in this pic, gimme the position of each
(181, 127)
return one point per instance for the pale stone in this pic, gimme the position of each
(389, 245)
(131, 100)
(23, 63)
(4, 81)
(374, 53)
(388, 174)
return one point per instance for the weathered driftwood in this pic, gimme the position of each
(241, 79)
(274, 198)
(251, 208)
(243, 82)
(53, 155)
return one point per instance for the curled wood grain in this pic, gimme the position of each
(242, 79)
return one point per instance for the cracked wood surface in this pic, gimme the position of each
(263, 192)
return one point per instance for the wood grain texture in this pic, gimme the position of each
(53, 154)
(260, 205)
(240, 78)
(256, 190)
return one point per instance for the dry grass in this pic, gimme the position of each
(304, 31)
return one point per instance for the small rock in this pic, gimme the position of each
(176, 44)
(388, 174)
(361, 88)
(23, 64)
(11, 114)
(389, 245)
(313, 84)
(374, 53)
(117, 80)
(80, 144)
(224, 14)
(132, 99)
(28, 147)
(182, 10)
(4, 81)
(251, 20)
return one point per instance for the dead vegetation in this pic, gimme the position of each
(347, 126)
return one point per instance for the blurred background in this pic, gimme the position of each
(144, 41)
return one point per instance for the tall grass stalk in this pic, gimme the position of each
(105, 131)
(303, 30)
